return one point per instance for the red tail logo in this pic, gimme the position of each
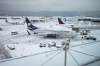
(60, 21)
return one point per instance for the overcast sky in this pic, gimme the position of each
(50, 5)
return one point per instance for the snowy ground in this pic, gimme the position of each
(29, 45)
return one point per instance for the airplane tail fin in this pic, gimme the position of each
(6, 21)
(60, 21)
(29, 24)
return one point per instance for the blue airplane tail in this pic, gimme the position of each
(29, 24)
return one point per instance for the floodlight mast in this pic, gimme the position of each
(66, 43)
(65, 49)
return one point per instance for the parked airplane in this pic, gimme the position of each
(79, 27)
(15, 22)
(51, 33)
(68, 25)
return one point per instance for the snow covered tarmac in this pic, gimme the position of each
(27, 45)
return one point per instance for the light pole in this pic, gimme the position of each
(66, 47)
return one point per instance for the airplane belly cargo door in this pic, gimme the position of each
(51, 36)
